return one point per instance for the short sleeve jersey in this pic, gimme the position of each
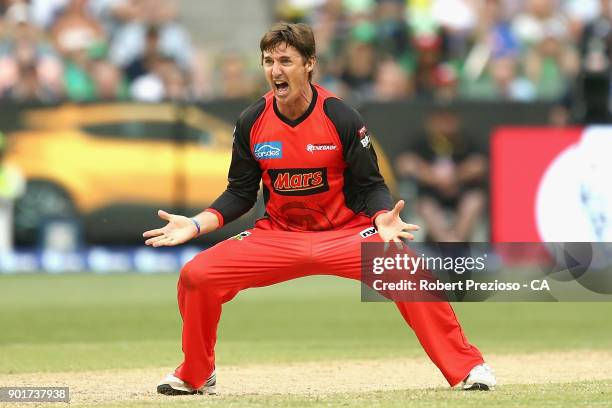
(318, 171)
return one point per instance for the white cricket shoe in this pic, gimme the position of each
(480, 378)
(172, 385)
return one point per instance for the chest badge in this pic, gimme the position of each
(268, 150)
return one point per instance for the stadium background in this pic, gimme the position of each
(96, 94)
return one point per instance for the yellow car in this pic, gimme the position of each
(111, 160)
(111, 166)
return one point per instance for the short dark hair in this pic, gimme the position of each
(297, 35)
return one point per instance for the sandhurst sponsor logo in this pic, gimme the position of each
(368, 232)
(268, 150)
(319, 147)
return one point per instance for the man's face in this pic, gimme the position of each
(286, 72)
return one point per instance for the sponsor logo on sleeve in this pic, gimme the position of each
(299, 182)
(364, 137)
(320, 147)
(368, 232)
(268, 150)
(241, 236)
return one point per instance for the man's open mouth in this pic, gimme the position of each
(282, 87)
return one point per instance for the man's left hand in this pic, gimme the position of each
(391, 227)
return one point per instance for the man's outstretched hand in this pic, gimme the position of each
(179, 229)
(391, 227)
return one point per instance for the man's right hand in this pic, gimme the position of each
(179, 230)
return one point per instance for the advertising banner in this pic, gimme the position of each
(551, 184)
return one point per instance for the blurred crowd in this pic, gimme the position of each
(83, 50)
(518, 50)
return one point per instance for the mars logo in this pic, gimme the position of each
(299, 182)
(320, 147)
(364, 137)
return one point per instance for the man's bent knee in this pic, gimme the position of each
(194, 275)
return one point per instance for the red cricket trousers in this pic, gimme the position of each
(264, 256)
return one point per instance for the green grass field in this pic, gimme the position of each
(592, 394)
(84, 322)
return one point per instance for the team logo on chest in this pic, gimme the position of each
(299, 182)
(268, 150)
(320, 147)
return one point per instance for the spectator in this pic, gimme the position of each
(449, 175)
(29, 87)
(509, 82)
(595, 82)
(235, 81)
(131, 41)
(149, 36)
(457, 20)
(446, 83)
(550, 58)
(428, 48)
(76, 36)
(165, 81)
(174, 80)
(596, 41)
(392, 31)
(492, 69)
(359, 64)
(331, 27)
(392, 83)
(109, 84)
(145, 62)
(29, 68)
(75, 30)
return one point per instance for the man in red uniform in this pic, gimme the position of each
(324, 196)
